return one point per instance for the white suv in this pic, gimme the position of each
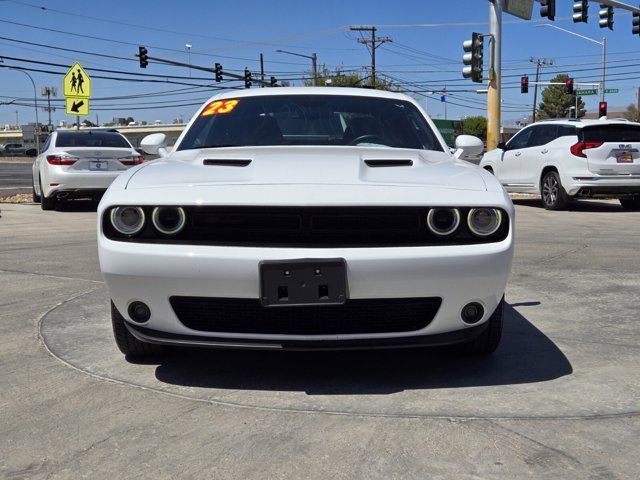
(566, 159)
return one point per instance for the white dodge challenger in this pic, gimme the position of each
(306, 218)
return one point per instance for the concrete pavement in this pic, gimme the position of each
(560, 398)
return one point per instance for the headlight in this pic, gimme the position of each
(168, 220)
(443, 221)
(484, 221)
(127, 220)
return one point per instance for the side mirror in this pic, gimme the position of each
(32, 152)
(502, 146)
(155, 144)
(468, 146)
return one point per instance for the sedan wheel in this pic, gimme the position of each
(553, 194)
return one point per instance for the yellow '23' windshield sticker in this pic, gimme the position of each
(219, 107)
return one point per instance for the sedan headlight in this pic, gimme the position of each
(127, 220)
(484, 222)
(168, 220)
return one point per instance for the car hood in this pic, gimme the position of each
(307, 165)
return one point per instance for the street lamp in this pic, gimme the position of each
(314, 63)
(603, 44)
(188, 47)
(35, 101)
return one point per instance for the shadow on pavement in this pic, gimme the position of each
(577, 205)
(77, 205)
(525, 355)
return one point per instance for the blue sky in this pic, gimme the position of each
(235, 33)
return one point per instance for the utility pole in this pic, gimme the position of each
(49, 92)
(262, 70)
(372, 44)
(314, 64)
(495, 74)
(540, 63)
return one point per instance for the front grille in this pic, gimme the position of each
(308, 227)
(237, 315)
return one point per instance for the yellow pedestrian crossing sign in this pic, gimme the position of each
(77, 106)
(76, 83)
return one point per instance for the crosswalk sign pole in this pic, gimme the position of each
(78, 122)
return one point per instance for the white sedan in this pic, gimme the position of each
(306, 218)
(80, 164)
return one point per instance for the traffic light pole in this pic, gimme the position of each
(495, 74)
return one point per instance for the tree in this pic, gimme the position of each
(631, 113)
(556, 103)
(88, 123)
(341, 79)
(476, 126)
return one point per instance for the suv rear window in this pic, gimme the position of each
(617, 132)
(91, 139)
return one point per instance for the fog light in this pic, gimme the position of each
(472, 312)
(139, 312)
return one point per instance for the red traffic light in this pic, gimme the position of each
(602, 109)
(524, 85)
(569, 86)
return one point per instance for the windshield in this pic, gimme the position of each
(310, 120)
(91, 139)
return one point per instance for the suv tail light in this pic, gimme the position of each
(136, 160)
(579, 148)
(60, 160)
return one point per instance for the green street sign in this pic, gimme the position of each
(611, 90)
(592, 91)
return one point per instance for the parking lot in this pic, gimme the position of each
(559, 399)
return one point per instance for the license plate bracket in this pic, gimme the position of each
(303, 282)
(98, 166)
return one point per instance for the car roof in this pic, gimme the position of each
(347, 91)
(580, 122)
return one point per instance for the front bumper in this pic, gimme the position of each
(152, 273)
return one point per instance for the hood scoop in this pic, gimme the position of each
(379, 163)
(224, 162)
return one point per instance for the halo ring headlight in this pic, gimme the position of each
(168, 220)
(483, 221)
(443, 221)
(127, 220)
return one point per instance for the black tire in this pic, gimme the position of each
(127, 343)
(35, 196)
(487, 342)
(631, 203)
(46, 203)
(554, 196)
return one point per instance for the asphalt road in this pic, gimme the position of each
(559, 399)
(15, 177)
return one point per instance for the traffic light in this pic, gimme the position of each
(636, 23)
(524, 85)
(273, 81)
(568, 86)
(602, 109)
(473, 58)
(144, 58)
(580, 11)
(548, 9)
(247, 78)
(606, 17)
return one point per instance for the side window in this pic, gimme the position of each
(521, 139)
(567, 131)
(47, 142)
(543, 134)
